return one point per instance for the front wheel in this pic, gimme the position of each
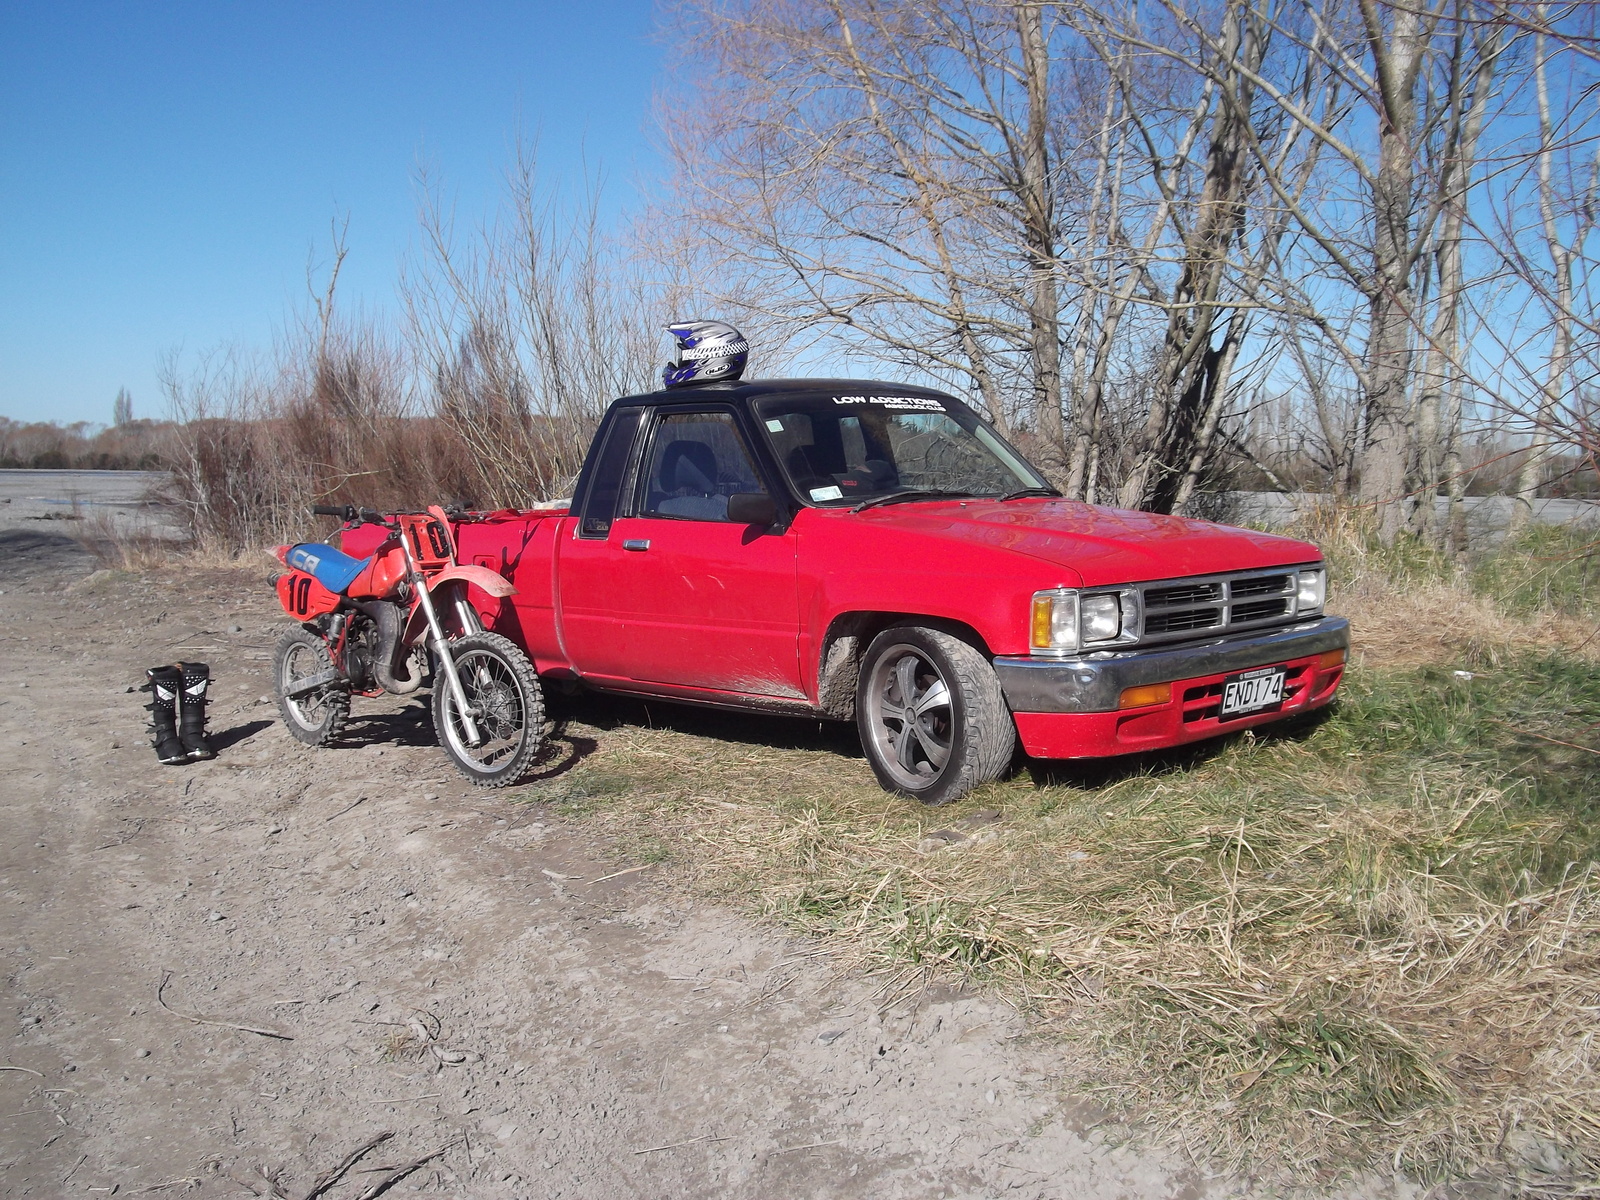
(506, 704)
(933, 720)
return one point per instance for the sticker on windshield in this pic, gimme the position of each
(830, 492)
(911, 403)
(775, 426)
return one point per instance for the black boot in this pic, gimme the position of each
(196, 679)
(163, 686)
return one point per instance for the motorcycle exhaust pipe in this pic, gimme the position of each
(391, 669)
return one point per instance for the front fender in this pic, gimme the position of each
(495, 584)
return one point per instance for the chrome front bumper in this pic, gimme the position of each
(1095, 682)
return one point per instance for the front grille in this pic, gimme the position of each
(1175, 609)
(1189, 593)
(1176, 622)
(1259, 585)
(1258, 610)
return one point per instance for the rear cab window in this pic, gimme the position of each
(597, 506)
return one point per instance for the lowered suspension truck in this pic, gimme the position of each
(852, 550)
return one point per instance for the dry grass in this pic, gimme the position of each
(1410, 605)
(1369, 939)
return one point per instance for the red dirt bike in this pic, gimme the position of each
(394, 620)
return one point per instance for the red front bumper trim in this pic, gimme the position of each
(1190, 716)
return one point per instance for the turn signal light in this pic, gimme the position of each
(1146, 694)
(1330, 660)
(1043, 617)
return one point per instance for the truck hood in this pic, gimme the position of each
(1101, 546)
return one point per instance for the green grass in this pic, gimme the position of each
(1553, 568)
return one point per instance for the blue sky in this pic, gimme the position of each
(166, 168)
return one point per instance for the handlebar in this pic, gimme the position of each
(350, 514)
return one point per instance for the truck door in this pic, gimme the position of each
(593, 572)
(708, 602)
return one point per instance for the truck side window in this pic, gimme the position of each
(696, 462)
(599, 503)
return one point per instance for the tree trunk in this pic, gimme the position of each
(1038, 218)
(1531, 473)
(1397, 58)
(1188, 387)
(1439, 407)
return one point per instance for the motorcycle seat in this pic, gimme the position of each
(328, 565)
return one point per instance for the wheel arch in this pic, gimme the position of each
(847, 638)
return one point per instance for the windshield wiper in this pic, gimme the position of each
(911, 494)
(1029, 491)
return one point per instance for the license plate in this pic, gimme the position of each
(1250, 692)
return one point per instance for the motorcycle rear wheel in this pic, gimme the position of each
(506, 703)
(318, 716)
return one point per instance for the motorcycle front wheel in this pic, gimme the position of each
(506, 705)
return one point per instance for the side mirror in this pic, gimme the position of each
(752, 508)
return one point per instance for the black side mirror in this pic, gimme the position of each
(752, 508)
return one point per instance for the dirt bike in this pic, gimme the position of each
(393, 621)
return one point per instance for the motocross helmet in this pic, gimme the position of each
(703, 352)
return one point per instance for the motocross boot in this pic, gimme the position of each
(163, 684)
(196, 681)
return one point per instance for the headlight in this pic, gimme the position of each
(1064, 621)
(1055, 621)
(1313, 590)
(1101, 618)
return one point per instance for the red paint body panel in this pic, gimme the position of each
(303, 596)
(1087, 546)
(1188, 717)
(379, 577)
(521, 547)
(709, 605)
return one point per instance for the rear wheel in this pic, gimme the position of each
(933, 720)
(505, 703)
(315, 714)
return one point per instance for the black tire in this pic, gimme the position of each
(933, 720)
(316, 717)
(506, 703)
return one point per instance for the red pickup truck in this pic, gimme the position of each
(877, 552)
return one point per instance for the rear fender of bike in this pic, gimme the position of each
(303, 597)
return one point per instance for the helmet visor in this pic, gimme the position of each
(671, 350)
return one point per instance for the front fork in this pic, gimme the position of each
(441, 647)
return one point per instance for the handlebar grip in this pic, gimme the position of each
(343, 511)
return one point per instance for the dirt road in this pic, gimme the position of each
(354, 941)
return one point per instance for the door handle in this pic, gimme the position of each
(636, 543)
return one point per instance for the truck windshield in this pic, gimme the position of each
(845, 450)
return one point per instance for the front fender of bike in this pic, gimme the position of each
(496, 585)
(483, 578)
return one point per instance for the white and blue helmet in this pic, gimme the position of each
(703, 352)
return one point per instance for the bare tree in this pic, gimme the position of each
(1566, 224)
(526, 332)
